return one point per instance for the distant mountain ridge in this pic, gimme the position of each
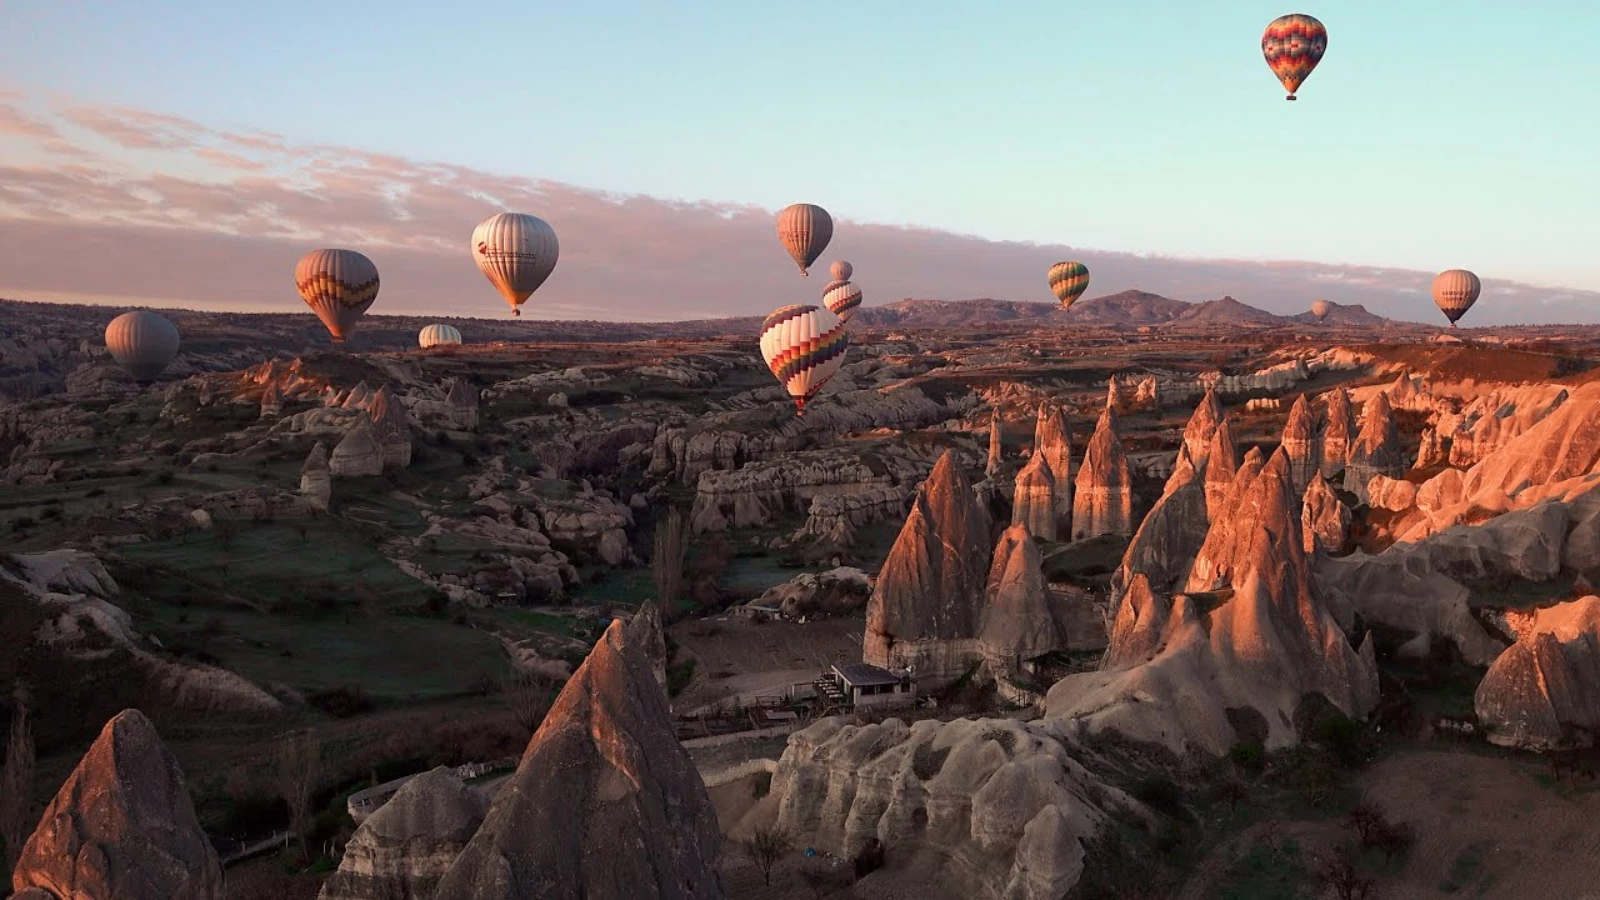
(1126, 309)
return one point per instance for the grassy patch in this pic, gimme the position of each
(1269, 870)
(1467, 872)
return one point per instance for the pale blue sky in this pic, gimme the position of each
(1433, 135)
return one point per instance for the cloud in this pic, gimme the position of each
(136, 204)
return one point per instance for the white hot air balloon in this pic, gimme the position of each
(841, 270)
(142, 343)
(804, 345)
(516, 252)
(436, 335)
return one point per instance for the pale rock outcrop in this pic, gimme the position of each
(646, 631)
(1433, 449)
(392, 427)
(1394, 494)
(926, 606)
(1230, 525)
(359, 453)
(358, 398)
(837, 592)
(1033, 503)
(1338, 434)
(1376, 450)
(1103, 496)
(1494, 420)
(1441, 491)
(834, 518)
(1222, 464)
(751, 496)
(605, 803)
(271, 402)
(1052, 441)
(1299, 442)
(316, 478)
(993, 465)
(1169, 537)
(1408, 392)
(1544, 691)
(1324, 519)
(1145, 394)
(1198, 434)
(1140, 622)
(121, 827)
(401, 851)
(1019, 624)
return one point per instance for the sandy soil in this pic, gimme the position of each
(736, 655)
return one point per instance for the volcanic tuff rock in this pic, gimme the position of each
(359, 454)
(837, 592)
(1222, 463)
(1394, 494)
(834, 518)
(1544, 691)
(993, 465)
(755, 494)
(1103, 501)
(1299, 442)
(271, 402)
(1338, 433)
(605, 804)
(1324, 519)
(1019, 624)
(1230, 525)
(925, 608)
(1376, 450)
(1169, 537)
(393, 428)
(646, 632)
(1052, 441)
(1433, 449)
(316, 482)
(121, 827)
(1265, 647)
(1033, 504)
(401, 851)
(1197, 435)
(1494, 420)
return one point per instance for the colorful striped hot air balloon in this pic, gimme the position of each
(841, 298)
(1293, 45)
(1069, 280)
(805, 230)
(435, 335)
(1320, 309)
(1455, 291)
(841, 270)
(338, 285)
(804, 346)
(516, 252)
(142, 343)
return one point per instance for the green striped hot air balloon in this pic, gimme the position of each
(1069, 280)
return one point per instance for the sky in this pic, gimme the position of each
(199, 148)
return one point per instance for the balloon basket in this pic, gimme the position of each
(1291, 98)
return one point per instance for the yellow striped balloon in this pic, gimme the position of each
(516, 252)
(805, 230)
(804, 346)
(1455, 291)
(841, 298)
(338, 285)
(436, 335)
(142, 343)
(1069, 280)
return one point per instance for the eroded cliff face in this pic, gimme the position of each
(401, 851)
(1103, 495)
(1544, 690)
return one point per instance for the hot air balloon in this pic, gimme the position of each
(1455, 291)
(142, 343)
(338, 285)
(841, 298)
(805, 230)
(1320, 309)
(434, 335)
(1293, 45)
(1069, 280)
(517, 252)
(804, 346)
(841, 270)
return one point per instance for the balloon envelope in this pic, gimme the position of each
(1320, 309)
(804, 346)
(516, 252)
(434, 335)
(1293, 45)
(142, 343)
(1455, 291)
(841, 270)
(805, 230)
(1069, 280)
(841, 298)
(338, 285)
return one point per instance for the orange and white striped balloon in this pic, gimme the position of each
(804, 345)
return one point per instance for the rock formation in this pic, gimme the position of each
(1433, 450)
(1376, 450)
(1394, 494)
(358, 398)
(1338, 433)
(1299, 443)
(1052, 440)
(1169, 537)
(401, 851)
(1033, 504)
(316, 481)
(1018, 622)
(1222, 463)
(646, 632)
(1103, 500)
(359, 453)
(605, 804)
(925, 608)
(392, 427)
(121, 827)
(1544, 691)
(838, 592)
(463, 401)
(1324, 519)
(1197, 435)
(271, 401)
(993, 465)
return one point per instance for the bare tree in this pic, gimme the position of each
(16, 786)
(530, 697)
(667, 563)
(765, 847)
(299, 773)
(1339, 873)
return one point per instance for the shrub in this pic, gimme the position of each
(1160, 793)
(679, 676)
(341, 702)
(1248, 756)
